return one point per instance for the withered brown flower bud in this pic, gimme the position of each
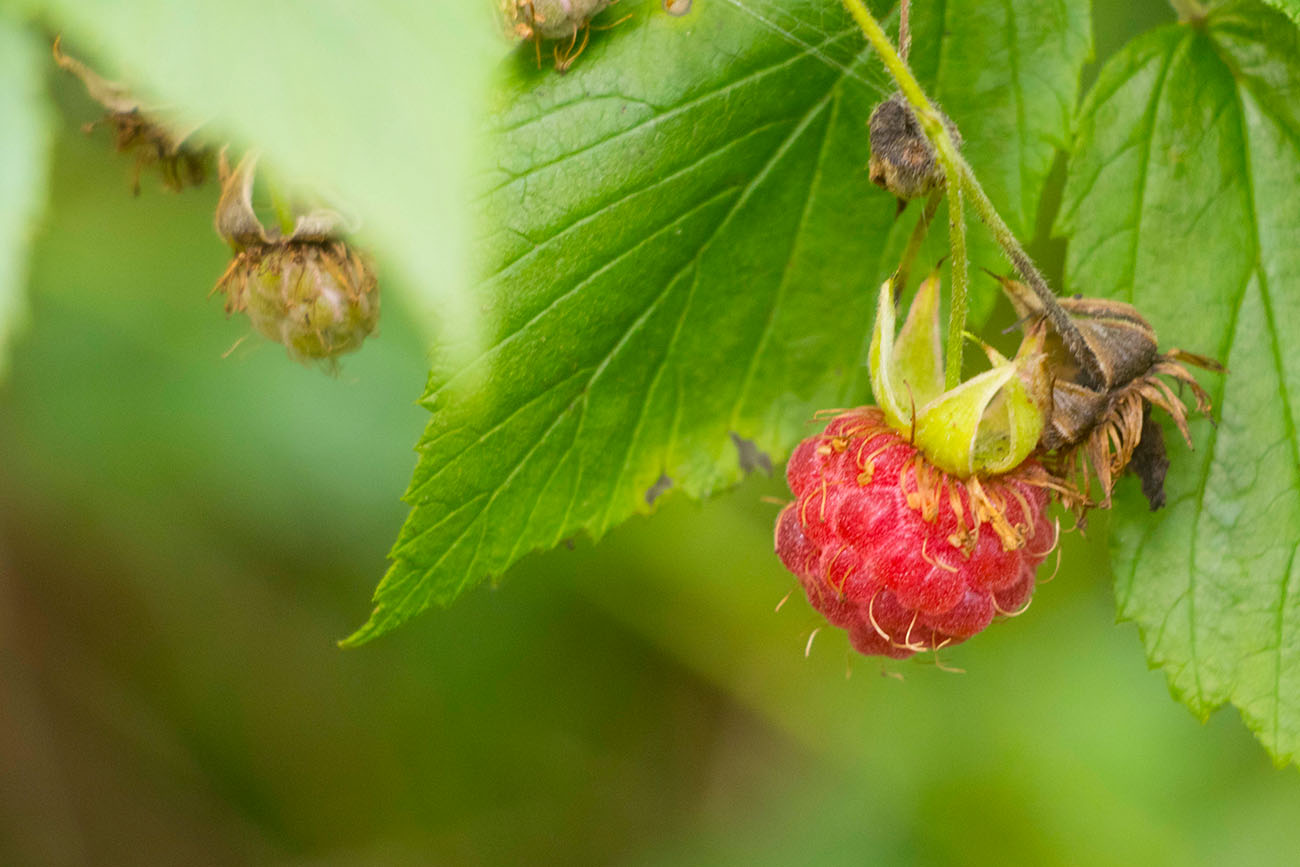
(309, 290)
(553, 20)
(1101, 424)
(903, 160)
(138, 130)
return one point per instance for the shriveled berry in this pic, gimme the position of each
(905, 557)
(317, 299)
(903, 160)
(558, 21)
(554, 19)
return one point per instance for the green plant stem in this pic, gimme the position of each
(960, 177)
(1024, 266)
(283, 211)
(960, 279)
(949, 159)
(914, 242)
(1189, 10)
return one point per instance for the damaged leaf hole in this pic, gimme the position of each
(751, 456)
(655, 491)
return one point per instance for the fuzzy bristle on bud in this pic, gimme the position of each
(903, 556)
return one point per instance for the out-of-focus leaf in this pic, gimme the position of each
(684, 256)
(24, 146)
(1184, 198)
(373, 103)
(1290, 7)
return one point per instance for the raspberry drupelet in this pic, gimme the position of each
(902, 555)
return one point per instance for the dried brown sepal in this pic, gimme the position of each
(567, 23)
(903, 160)
(1101, 426)
(136, 130)
(309, 290)
(1150, 463)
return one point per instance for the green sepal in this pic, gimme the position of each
(880, 360)
(917, 361)
(988, 424)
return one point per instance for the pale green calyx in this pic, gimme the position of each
(986, 425)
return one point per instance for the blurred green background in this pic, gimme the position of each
(183, 537)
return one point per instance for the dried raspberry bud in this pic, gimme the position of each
(1101, 424)
(903, 160)
(554, 20)
(309, 290)
(138, 130)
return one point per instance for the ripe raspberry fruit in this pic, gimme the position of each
(904, 556)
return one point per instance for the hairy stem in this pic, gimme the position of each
(959, 176)
(949, 158)
(915, 240)
(1061, 321)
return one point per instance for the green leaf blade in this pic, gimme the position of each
(1183, 198)
(682, 266)
(1009, 77)
(1290, 7)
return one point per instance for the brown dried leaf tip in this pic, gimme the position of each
(903, 159)
(137, 130)
(309, 290)
(558, 21)
(1100, 427)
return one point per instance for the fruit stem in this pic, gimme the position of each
(1189, 10)
(914, 241)
(960, 279)
(284, 217)
(1056, 315)
(955, 166)
(949, 158)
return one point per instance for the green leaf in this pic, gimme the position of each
(1290, 7)
(1008, 74)
(683, 255)
(371, 103)
(1184, 198)
(24, 164)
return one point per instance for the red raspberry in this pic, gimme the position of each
(902, 555)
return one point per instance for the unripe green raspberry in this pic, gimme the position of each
(308, 290)
(318, 299)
